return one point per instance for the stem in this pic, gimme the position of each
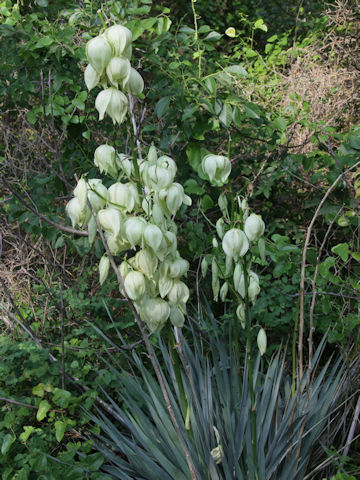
(250, 370)
(196, 36)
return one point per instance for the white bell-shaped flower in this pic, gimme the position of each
(235, 243)
(153, 237)
(134, 228)
(254, 227)
(80, 192)
(146, 262)
(97, 193)
(117, 70)
(110, 220)
(91, 77)
(78, 216)
(179, 293)
(119, 38)
(104, 267)
(133, 83)
(178, 267)
(177, 317)
(217, 168)
(104, 159)
(113, 102)
(123, 196)
(135, 285)
(98, 52)
(155, 312)
(254, 287)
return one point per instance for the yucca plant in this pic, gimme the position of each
(210, 396)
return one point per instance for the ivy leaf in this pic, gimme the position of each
(28, 430)
(325, 266)
(342, 250)
(44, 407)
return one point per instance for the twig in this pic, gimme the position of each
(314, 293)
(20, 404)
(62, 340)
(352, 428)
(303, 268)
(39, 215)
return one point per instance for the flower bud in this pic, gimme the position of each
(104, 159)
(262, 341)
(158, 215)
(228, 265)
(113, 102)
(224, 291)
(153, 237)
(254, 286)
(235, 243)
(220, 227)
(254, 227)
(119, 38)
(239, 280)
(177, 317)
(110, 220)
(240, 313)
(134, 228)
(215, 243)
(118, 68)
(223, 203)
(104, 267)
(204, 267)
(80, 193)
(217, 168)
(98, 52)
(91, 77)
(133, 83)
(135, 285)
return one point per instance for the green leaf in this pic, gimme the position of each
(93, 462)
(342, 250)
(262, 251)
(213, 37)
(28, 430)
(60, 428)
(44, 407)
(236, 70)
(162, 106)
(192, 187)
(356, 256)
(260, 25)
(354, 141)
(279, 124)
(8, 440)
(61, 397)
(38, 390)
(226, 115)
(42, 3)
(44, 42)
(206, 203)
(325, 266)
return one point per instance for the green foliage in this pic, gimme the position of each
(208, 390)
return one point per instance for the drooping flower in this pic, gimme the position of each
(104, 159)
(235, 243)
(254, 227)
(113, 102)
(98, 52)
(217, 168)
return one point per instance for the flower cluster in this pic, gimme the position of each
(141, 223)
(109, 65)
